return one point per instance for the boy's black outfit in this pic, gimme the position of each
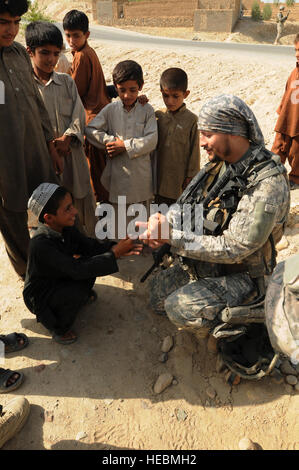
(57, 284)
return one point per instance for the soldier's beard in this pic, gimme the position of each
(215, 159)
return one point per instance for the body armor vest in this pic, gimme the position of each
(220, 196)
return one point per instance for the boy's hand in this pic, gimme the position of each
(186, 182)
(62, 145)
(143, 99)
(115, 148)
(126, 247)
(156, 230)
(57, 160)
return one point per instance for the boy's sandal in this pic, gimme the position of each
(61, 340)
(12, 342)
(5, 375)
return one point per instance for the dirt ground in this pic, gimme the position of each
(98, 393)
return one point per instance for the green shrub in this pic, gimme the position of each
(290, 3)
(35, 13)
(256, 11)
(267, 12)
(276, 3)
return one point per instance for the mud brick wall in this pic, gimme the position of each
(213, 20)
(216, 4)
(156, 9)
(216, 16)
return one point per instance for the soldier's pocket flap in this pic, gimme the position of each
(264, 217)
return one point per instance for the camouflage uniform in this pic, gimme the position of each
(280, 24)
(195, 303)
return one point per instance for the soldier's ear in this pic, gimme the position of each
(186, 94)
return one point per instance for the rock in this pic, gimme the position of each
(211, 392)
(163, 381)
(297, 387)
(163, 357)
(287, 369)
(212, 345)
(282, 244)
(289, 389)
(81, 435)
(174, 382)
(181, 414)
(276, 377)
(167, 344)
(291, 379)
(108, 401)
(246, 444)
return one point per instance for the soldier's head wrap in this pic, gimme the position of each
(281, 7)
(40, 197)
(228, 114)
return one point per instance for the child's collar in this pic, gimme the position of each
(43, 229)
(181, 108)
(85, 44)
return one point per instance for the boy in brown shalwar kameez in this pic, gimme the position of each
(89, 78)
(286, 143)
(178, 158)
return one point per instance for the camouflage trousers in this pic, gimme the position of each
(195, 304)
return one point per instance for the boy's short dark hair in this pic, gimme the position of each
(174, 79)
(76, 19)
(296, 38)
(14, 7)
(127, 70)
(54, 202)
(41, 33)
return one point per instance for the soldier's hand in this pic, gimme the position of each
(156, 230)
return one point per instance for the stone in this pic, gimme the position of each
(246, 444)
(181, 414)
(108, 401)
(163, 357)
(81, 435)
(297, 387)
(276, 377)
(288, 388)
(291, 379)
(174, 382)
(167, 344)
(163, 381)
(287, 369)
(211, 392)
